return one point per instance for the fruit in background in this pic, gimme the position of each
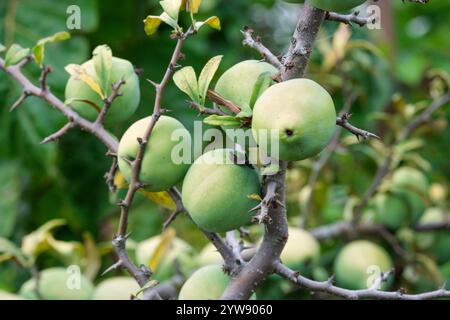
(216, 192)
(210, 255)
(5, 295)
(206, 283)
(58, 284)
(411, 179)
(390, 210)
(301, 248)
(435, 243)
(358, 262)
(336, 5)
(164, 253)
(116, 288)
(302, 111)
(122, 108)
(237, 83)
(159, 172)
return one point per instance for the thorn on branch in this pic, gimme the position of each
(264, 207)
(359, 133)
(25, 94)
(58, 134)
(109, 176)
(256, 44)
(43, 79)
(107, 102)
(350, 18)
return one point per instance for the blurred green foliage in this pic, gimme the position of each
(65, 179)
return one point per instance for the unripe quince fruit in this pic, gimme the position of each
(216, 192)
(207, 283)
(303, 113)
(116, 288)
(301, 248)
(411, 179)
(435, 242)
(358, 264)
(391, 210)
(122, 107)
(237, 83)
(178, 250)
(158, 171)
(55, 284)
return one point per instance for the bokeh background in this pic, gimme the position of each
(390, 70)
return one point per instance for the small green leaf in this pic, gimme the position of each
(171, 7)
(152, 23)
(206, 76)
(102, 56)
(8, 250)
(263, 82)
(2, 47)
(213, 22)
(246, 111)
(39, 48)
(15, 54)
(186, 80)
(227, 121)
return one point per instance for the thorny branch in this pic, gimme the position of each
(350, 18)
(359, 133)
(256, 44)
(371, 293)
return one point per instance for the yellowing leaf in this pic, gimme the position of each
(152, 23)
(8, 250)
(206, 76)
(194, 5)
(162, 198)
(163, 246)
(213, 22)
(254, 196)
(171, 7)
(102, 56)
(337, 53)
(37, 242)
(79, 73)
(39, 48)
(186, 80)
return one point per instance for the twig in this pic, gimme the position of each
(30, 89)
(350, 18)
(370, 293)
(109, 176)
(25, 94)
(217, 98)
(58, 134)
(343, 122)
(179, 207)
(108, 102)
(258, 46)
(202, 110)
(43, 78)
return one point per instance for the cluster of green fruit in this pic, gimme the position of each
(331, 5)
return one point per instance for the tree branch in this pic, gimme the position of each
(258, 46)
(343, 122)
(30, 89)
(370, 293)
(350, 18)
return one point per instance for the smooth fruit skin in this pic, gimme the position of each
(237, 83)
(301, 248)
(216, 192)
(158, 171)
(53, 286)
(435, 243)
(354, 263)
(391, 210)
(178, 250)
(207, 283)
(303, 113)
(336, 5)
(122, 108)
(116, 288)
(411, 179)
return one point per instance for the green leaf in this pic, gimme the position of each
(2, 47)
(246, 111)
(102, 56)
(206, 76)
(80, 73)
(213, 22)
(186, 80)
(152, 23)
(39, 48)
(263, 82)
(15, 54)
(8, 250)
(171, 7)
(227, 121)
